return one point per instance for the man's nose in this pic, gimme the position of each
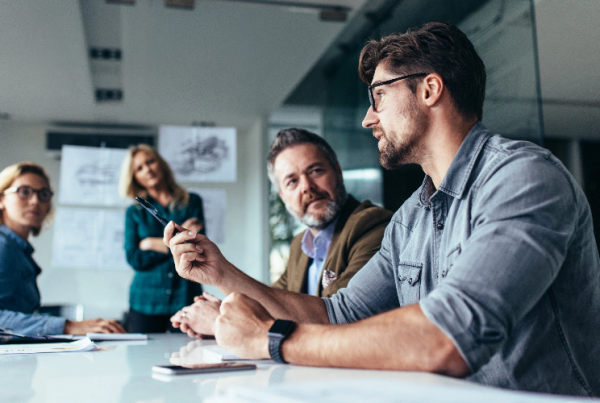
(305, 184)
(370, 119)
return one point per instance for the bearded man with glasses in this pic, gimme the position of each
(489, 271)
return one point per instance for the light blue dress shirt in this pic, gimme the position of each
(316, 248)
(19, 295)
(502, 258)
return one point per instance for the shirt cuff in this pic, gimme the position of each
(54, 325)
(453, 317)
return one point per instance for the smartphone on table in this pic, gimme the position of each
(202, 368)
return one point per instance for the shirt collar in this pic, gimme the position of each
(455, 180)
(325, 236)
(11, 235)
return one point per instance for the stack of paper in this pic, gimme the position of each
(84, 344)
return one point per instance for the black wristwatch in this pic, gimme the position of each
(277, 334)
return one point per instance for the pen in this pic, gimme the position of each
(146, 204)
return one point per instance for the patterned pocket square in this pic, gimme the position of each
(328, 278)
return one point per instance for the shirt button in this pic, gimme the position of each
(168, 292)
(170, 275)
(440, 226)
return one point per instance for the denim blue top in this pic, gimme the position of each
(156, 288)
(316, 248)
(19, 294)
(502, 258)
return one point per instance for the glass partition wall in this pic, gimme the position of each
(332, 100)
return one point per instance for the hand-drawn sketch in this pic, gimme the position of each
(89, 239)
(90, 176)
(214, 203)
(199, 154)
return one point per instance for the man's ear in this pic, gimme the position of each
(432, 89)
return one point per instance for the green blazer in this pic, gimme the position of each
(357, 237)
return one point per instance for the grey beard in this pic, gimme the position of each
(332, 209)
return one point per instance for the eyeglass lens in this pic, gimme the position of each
(25, 192)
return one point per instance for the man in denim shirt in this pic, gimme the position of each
(488, 271)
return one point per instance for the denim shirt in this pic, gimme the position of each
(502, 258)
(19, 294)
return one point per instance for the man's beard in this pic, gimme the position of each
(332, 209)
(409, 151)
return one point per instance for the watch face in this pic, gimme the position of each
(281, 327)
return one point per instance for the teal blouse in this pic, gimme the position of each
(156, 288)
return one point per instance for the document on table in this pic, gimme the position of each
(105, 336)
(376, 390)
(84, 344)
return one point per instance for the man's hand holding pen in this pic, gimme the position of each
(196, 257)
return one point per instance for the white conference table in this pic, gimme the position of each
(122, 372)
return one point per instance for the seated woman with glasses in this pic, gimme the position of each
(25, 203)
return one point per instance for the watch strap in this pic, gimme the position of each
(276, 339)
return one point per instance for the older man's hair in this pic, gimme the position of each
(292, 137)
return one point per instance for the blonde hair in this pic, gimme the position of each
(130, 187)
(11, 173)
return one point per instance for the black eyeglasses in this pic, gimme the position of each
(25, 192)
(373, 100)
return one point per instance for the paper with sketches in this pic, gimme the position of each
(89, 239)
(89, 176)
(84, 344)
(199, 154)
(214, 204)
(377, 390)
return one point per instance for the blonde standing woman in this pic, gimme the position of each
(25, 204)
(157, 292)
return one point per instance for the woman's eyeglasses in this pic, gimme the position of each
(25, 192)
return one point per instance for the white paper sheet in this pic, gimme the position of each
(117, 336)
(374, 390)
(84, 344)
(89, 239)
(89, 176)
(214, 202)
(199, 154)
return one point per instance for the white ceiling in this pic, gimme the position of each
(222, 62)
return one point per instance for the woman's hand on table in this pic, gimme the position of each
(93, 326)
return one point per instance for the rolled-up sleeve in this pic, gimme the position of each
(31, 325)
(370, 292)
(523, 218)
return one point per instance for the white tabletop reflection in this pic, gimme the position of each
(122, 372)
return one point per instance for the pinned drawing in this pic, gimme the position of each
(199, 154)
(213, 203)
(89, 239)
(89, 176)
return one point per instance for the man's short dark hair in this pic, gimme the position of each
(435, 47)
(287, 138)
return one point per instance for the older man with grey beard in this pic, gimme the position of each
(342, 235)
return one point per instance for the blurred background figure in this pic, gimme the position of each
(156, 292)
(25, 204)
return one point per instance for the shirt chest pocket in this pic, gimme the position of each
(409, 279)
(450, 259)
